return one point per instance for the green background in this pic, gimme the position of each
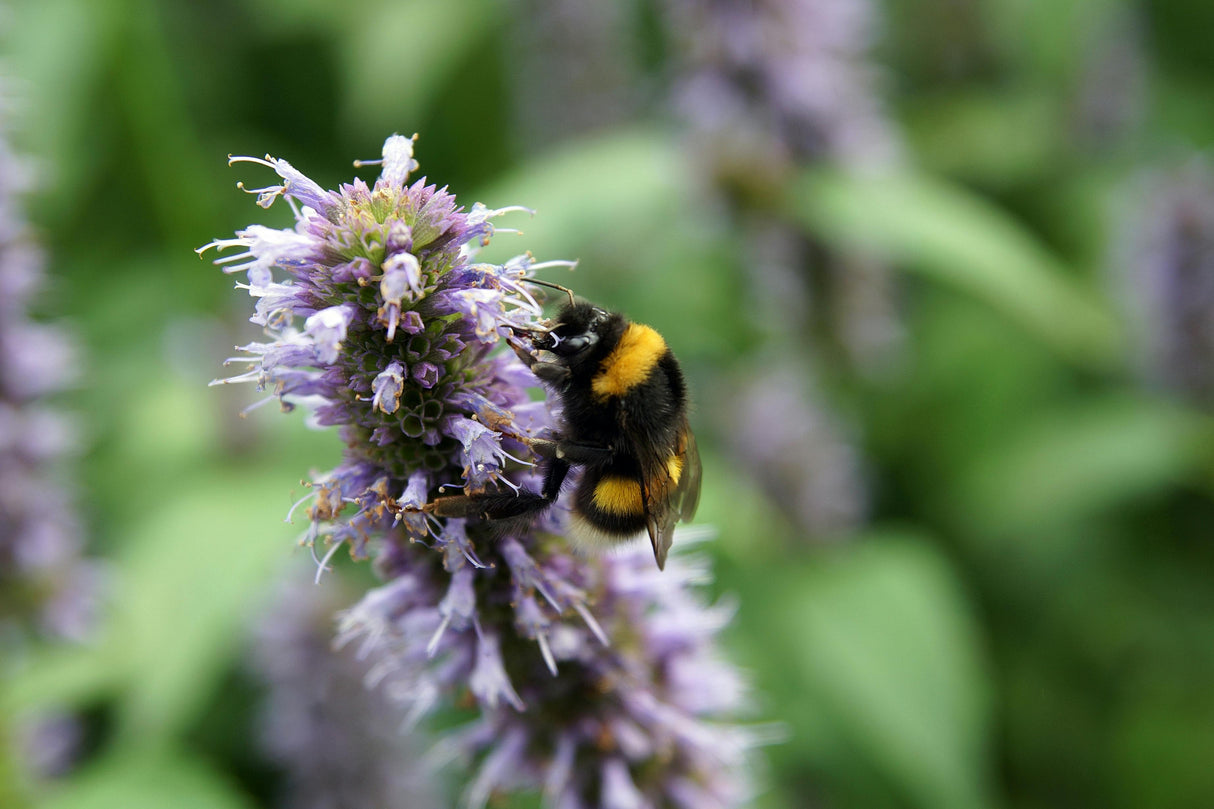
(1026, 617)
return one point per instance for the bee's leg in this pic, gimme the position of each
(523, 353)
(558, 469)
(572, 452)
(503, 505)
(489, 505)
(552, 372)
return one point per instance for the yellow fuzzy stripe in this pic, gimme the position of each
(630, 363)
(620, 496)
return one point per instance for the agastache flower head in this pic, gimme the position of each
(384, 322)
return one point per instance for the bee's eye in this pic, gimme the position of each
(575, 344)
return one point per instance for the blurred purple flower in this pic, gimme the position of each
(592, 675)
(770, 88)
(47, 587)
(50, 742)
(794, 74)
(572, 69)
(1168, 261)
(794, 449)
(339, 743)
(1111, 89)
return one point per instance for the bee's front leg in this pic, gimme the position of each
(551, 372)
(527, 355)
(572, 452)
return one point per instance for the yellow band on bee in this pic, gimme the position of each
(630, 363)
(619, 496)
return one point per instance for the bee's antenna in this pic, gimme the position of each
(566, 290)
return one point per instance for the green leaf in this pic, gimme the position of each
(148, 779)
(884, 641)
(612, 187)
(157, 112)
(1068, 464)
(194, 569)
(397, 55)
(994, 138)
(1051, 42)
(956, 237)
(619, 203)
(62, 677)
(60, 53)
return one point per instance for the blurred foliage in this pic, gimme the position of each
(1028, 620)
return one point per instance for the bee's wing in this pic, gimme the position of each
(666, 499)
(660, 521)
(687, 495)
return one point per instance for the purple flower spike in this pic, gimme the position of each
(337, 742)
(768, 88)
(619, 792)
(377, 318)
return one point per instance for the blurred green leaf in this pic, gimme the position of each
(1049, 41)
(170, 425)
(62, 677)
(620, 204)
(975, 380)
(1165, 732)
(293, 16)
(193, 570)
(147, 778)
(997, 138)
(1181, 111)
(397, 55)
(885, 642)
(956, 237)
(60, 52)
(1091, 456)
(159, 120)
(613, 187)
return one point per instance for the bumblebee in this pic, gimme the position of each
(624, 410)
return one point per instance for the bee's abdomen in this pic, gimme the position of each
(610, 501)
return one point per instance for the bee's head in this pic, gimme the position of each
(582, 332)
